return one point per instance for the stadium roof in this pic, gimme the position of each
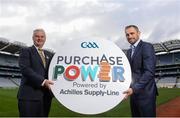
(167, 47)
(160, 48)
(13, 48)
(9, 47)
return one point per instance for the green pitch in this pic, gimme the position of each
(8, 104)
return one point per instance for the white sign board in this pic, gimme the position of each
(89, 76)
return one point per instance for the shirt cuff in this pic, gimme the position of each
(43, 82)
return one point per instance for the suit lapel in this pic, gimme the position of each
(36, 54)
(136, 50)
(129, 55)
(46, 57)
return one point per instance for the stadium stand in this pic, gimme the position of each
(9, 70)
(10, 75)
(178, 83)
(6, 83)
(167, 64)
(167, 82)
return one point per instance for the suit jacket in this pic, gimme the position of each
(143, 64)
(33, 74)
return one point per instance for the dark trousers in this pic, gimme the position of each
(143, 107)
(34, 108)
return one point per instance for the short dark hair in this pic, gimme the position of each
(134, 26)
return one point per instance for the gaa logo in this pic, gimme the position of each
(89, 45)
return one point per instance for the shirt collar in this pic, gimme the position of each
(137, 42)
(38, 50)
(37, 47)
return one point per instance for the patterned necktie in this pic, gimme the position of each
(132, 50)
(42, 56)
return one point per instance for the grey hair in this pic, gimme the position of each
(39, 30)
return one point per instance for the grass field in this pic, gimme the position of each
(8, 104)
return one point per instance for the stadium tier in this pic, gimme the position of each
(167, 82)
(167, 64)
(10, 74)
(6, 83)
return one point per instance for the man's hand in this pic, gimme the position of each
(128, 93)
(47, 84)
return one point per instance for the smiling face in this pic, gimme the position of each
(39, 38)
(132, 35)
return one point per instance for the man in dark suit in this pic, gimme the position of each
(143, 88)
(34, 95)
